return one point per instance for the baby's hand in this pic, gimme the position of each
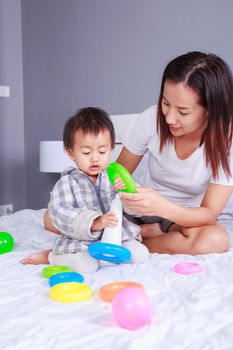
(119, 184)
(106, 220)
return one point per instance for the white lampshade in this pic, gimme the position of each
(53, 158)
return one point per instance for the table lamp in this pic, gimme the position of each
(53, 157)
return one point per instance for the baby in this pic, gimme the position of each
(80, 200)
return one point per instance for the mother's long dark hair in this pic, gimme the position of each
(211, 78)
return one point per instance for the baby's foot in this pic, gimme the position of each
(151, 230)
(37, 258)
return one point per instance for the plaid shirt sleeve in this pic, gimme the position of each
(69, 211)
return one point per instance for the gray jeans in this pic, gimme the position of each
(139, 220)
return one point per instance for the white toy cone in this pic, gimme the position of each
(113, 235)
(110, 248)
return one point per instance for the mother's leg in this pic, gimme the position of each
(195, 240)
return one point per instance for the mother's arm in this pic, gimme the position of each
(129, 160)
(149, 202)
(48, 225)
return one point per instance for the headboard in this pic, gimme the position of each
(120, 122)
(53, 158)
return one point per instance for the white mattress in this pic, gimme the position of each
(192, 312)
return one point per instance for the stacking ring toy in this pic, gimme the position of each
(70, 291)
(116, 170)
(108, 292)
(6, 242)
(188, 268)
(49, 271)
(63, 277)
(109, 252)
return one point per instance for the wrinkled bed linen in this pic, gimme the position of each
(193, 312)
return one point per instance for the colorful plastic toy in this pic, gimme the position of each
(63, 277)
(116, 170)
(131, 308)
(70, 292)
(6, 242)
(110, 248)
(109, 252)
(49, 271)
(188, 268)
(110, 290)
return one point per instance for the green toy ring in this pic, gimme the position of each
(49, 271)
(116, 170)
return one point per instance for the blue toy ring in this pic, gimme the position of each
(64, 277)
(109, 252)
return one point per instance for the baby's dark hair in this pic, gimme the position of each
(88, 120)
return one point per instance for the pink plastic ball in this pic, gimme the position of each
(131, 308)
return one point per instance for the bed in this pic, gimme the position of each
(189, 311)
(193, 312)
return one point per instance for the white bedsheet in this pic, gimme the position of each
(192, 312)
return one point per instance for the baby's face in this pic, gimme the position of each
(91, 152)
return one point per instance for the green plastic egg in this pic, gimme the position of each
(6, 242)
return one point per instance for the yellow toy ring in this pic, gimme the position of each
(108, 292)
(70, 292)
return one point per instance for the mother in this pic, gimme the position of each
(190, 169)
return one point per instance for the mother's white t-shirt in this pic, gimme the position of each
(183, 182)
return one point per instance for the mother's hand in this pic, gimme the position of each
(145, 202)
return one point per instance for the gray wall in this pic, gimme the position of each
(12, 164)
(103, 53)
